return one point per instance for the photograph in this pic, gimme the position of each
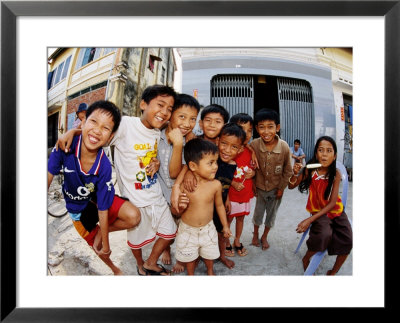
(305, 92)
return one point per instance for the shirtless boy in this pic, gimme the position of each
(197, 235)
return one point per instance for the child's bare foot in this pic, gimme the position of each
(255, 241)
(306, 262)
(265, 244)
(227, 262)
(178, 268)
(118, 272)
(166, 257)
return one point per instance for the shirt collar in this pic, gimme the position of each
(277, 149)
(96, 165)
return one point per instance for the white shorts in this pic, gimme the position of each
(192, 242)
(156, 220)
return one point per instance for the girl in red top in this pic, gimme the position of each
(330, 227)
(241, 190)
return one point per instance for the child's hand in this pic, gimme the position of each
(101, 252)
(296, 168)
(190, 136)
(303, 225)
(249, 173)
(189, 182)
(254, 161)
(153, 167)
(279, 194)
(183, 202)
(175, 136)
(64, 142)
(237, 186)
(228, 207)
(227, 232)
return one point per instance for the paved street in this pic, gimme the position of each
(70, 255)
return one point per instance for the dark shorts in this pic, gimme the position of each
(334, 234)
(217, 222)
(87, 226)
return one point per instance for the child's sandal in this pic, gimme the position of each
(240, 250)
(229, 251)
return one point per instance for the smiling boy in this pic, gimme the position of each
(88, 189)
(170, 151)
(272, 176)
(212, 119)
(136, 144)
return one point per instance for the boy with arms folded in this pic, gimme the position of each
(87, 188)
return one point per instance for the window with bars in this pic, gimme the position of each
(90, 54)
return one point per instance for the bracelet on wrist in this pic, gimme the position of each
(294, 180)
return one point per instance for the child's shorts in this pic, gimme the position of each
(156, 220)
(333, 234)
(266, 203)
(192, 242)
(239, 209)
(87, 225)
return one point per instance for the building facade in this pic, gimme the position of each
(78, 75)
(310, 88)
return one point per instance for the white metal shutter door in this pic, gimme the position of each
(234, 92)
(297, 113)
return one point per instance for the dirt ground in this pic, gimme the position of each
(69, 254)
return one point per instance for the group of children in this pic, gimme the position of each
(182, 189)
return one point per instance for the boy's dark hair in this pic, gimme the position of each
(266, 114)
(233, 129)
(186, 99)
(215, 108)
(108, 107)
(297, 141)
(306, 182)
(196, 148)
(153, 91)
(241, 118)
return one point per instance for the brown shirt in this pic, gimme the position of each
(274, 166)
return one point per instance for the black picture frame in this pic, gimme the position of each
(10, 10)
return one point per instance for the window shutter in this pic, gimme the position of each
(49, 79)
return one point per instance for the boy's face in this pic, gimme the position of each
(229, 147)
(97, 130)
(207, 166)
(296, 146)
(157, 112)
(81, 115)
(184, 118)
(248, 129)
(267, 130)
(212, 124)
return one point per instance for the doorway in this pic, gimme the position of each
(291, 98)
(52, 129)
